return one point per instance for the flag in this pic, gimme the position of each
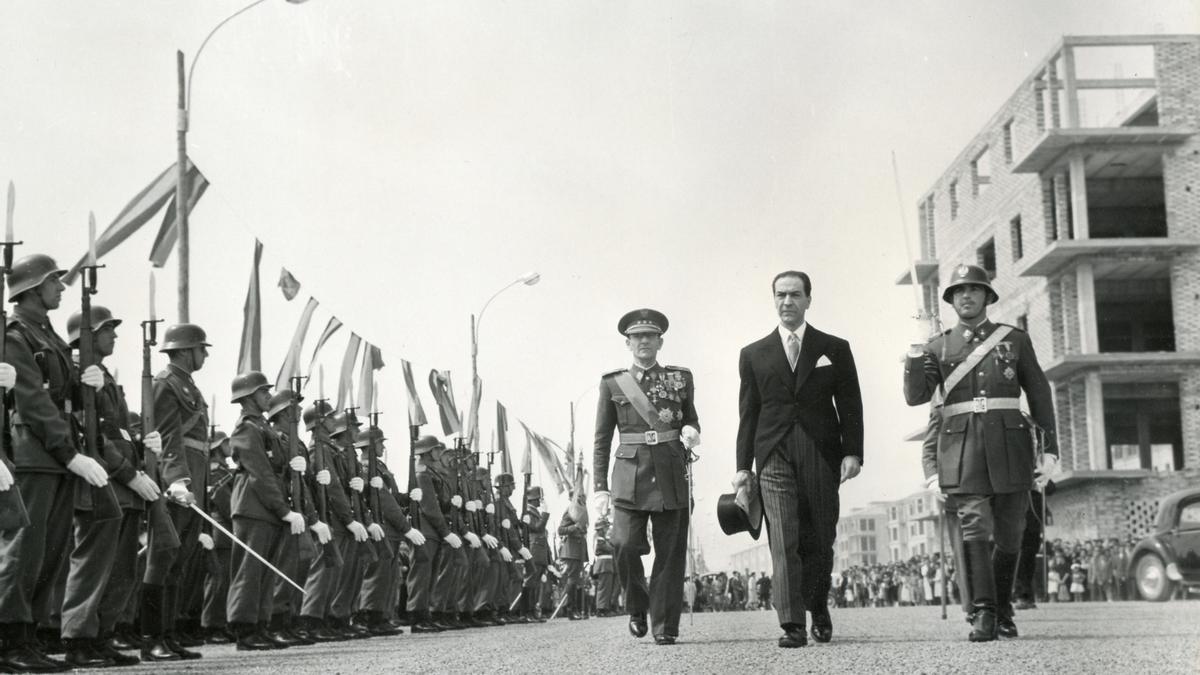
(550, 453)
(288, 284)
(416, 414)
(250, 352)
(443, 395)
(527, 458)
(330, 328)
(291, 362)
(346, 379)
(168, 232)
(140, 209)
(372, 361)
(472, 433)
(502, 438)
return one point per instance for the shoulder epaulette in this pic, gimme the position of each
(614, 372)
(686, 370)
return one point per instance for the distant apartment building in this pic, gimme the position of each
(1081, 197)
(861, 538)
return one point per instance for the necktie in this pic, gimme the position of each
(793, 350)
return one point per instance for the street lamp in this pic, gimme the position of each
(528, 279)
(182, 186)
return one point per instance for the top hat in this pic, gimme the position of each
(734, 517)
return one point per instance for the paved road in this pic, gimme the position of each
(1074, 638)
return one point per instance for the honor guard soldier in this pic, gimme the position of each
(985, 449)
(510, 538)
(47, 462)
(653, 409)
(608, 592)
(572, 530)
(535, 519)
(181, 416)
(357, 556)
(213, 620)
(104, 558)
(428, 495)
(488, 599)
(452, 560)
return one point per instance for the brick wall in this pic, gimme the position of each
(1112, 507)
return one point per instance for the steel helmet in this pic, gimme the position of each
(368, 436)
(505, 479)
(339, 423)
(217, 440)
(314, 412)
(246, 384)
(964, 275)
(29, 273)
(183, 336)
(427, 444)
(533, 492)
(101, 317)
(280, 401)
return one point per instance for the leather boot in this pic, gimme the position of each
(317, 630)
(103, 647)
(277, 640)
(293, 629)
(249, 639)
(378, 624)
(18, 655)
(81, 655)
(1004, 569)
(154, 647)
(423, 623)
(978, 568)
(170, 610)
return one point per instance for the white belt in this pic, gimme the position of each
(607, 556)
(980, 405)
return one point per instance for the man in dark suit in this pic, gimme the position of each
(801, 425)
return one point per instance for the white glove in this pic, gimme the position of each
(376, 531)
(323, 477)
(93, 377)
(505, 554)
(931, 483)
(1047, 468)
(491, 541)
(322, 532)
(506, 524)
(153, 442)
(357, 484)
(524, 553)
(602, 501)
(415, 494)
(456, 500)
(471, 506)
(415, 537)
(88, 469)
(143, 486)
(8, 376)
(296, 521)
(453, 540)
(377, 483)
(178, 492)
(298, 464)
(490, 509)
(921, 335)
(472, 539)
(356, 528)
(525, 519)
(690, 436)
(6, 478)
(206, 541)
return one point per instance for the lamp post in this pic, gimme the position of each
(182, 184)
(476, 320)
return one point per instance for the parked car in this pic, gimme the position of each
(1170, 556)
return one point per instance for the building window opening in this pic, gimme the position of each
(1135, 315)
(953, 199)
(981, 172)
(1008, 142)
(1126, 198)
(985, 257)
(1014, 231)
(1143, 426)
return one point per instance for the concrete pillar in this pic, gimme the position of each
(1085, 295)
(1079, 202)
(1097, 442)
(1069, 90)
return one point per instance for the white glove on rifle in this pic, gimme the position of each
(377, 483)
(357, 484)
(524, 553)
(506, 524)
(6, 478)
(324, 477)
(8, 376)
(472, 539)
(489, 509)
(415, 494)
(298, 464)
(88, 469)
(602, 501)
(322, 532)
(453, 540)
(296, 521)
(93, 377)
(206, 541)
(525, 519)
(491, 541)
(144, 487)
(456, 501)
(415, 537)
(471, 506)
(179, 493)
(505, 554)
(153, 442)
(376, 531)
(356, 528)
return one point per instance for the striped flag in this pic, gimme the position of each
(330, 328)
(250, 352)
(168, 232)
(502, 438)
(291, 362)
(346, 379)
(372, 361)
(527, 459)
(550, 454)
(136, 213)
(288, 284)
(416, 413)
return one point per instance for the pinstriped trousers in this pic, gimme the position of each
(800, 500)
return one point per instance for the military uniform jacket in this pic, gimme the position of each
(119, 454)
(43, 437)
(308, 505)
(539, 545)
(323, 455)
(395, 522)
(433, 491)
(645, 477)
(990, 452)
(604, 557)
(510, 535)
(181, 418)
(220, 498)
(572, 538)
(348, 467)
(257, 488)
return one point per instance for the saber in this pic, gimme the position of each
(241, 543)
(691, 459)
(560, 605)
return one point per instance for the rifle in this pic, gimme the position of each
(373, 461)
(295, 480)
(12, 507)
(331, 555)
(414, 508)
(158, 523)
(358, 509)
(104, 499)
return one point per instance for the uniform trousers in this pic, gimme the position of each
(349, 581)
(167, 567)
(484, 578)
(800, 500)
(574, 580)
(996, 517)
(30, 557)
(216, 588)
(252, 586)
(285, 597)
(604, 591)
(101, 573)
(663, 597)
(322, 581)
(420, 578)
(379, 578)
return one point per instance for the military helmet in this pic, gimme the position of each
(505, 480)
(426, 444)
(101, 317)
(29, 273)
(533, 492)
(246, 384)
(314, 412)
(368, 436)
(217, 440)
(964, 275)
(183, 336)
(482, 473)
(280, 401)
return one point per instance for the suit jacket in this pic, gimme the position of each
(825, 401)
(573, 538)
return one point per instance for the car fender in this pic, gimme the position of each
(1154, 545)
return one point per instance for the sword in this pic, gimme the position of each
(560, 605)
(243, 544)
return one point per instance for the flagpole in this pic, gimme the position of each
(182, 188)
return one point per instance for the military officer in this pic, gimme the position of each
(608, 592)
(535, 518)
(452, 561)
(572, 530)
(357, 557)
(429, 494)
(985, 452)
(46, 457)
(506, 517)
(213, 619)
(653, 408)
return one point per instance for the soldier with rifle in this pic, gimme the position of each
(608, 592)
(47, 457)
(510, 538)
(363, 552)
(213, 619)
(474, 587)
(427, 497)
(572, 530)
(535, 520)
(104, 557)
(490, 604)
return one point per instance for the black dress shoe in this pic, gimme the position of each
(81, 655)
(822, 625)
(793, 637)
(664, 639)
(255, 641)
(103, 648)
(183, 652)
(637, 625)
(1006, 627)
(26, 659)
(156, 649)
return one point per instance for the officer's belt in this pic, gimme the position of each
(196, 444)
(651, 437)
(980, 405)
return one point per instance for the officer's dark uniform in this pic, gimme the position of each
(326, 569)
(509, 534)
(649, 478)
(358, 554)
(608, 593)
(536, 590)
(433, 524)
(452, 562)
(985, 452)
(380, 578)
(572, 530)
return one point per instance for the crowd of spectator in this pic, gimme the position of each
(1093, 570)
(916, 581)
(722, 592)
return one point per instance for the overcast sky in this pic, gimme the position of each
(405, 160)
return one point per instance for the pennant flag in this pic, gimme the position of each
(472, 433)
(372, 361)
(578, 506)
(330, 328)
(502, 438)
(250, 352)
(288, 284)
(136, 213)
(443, 395)
(291, 362)
(527, 458)
(550, 452)
(346, 379)
(416, 414)
(168, 232)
